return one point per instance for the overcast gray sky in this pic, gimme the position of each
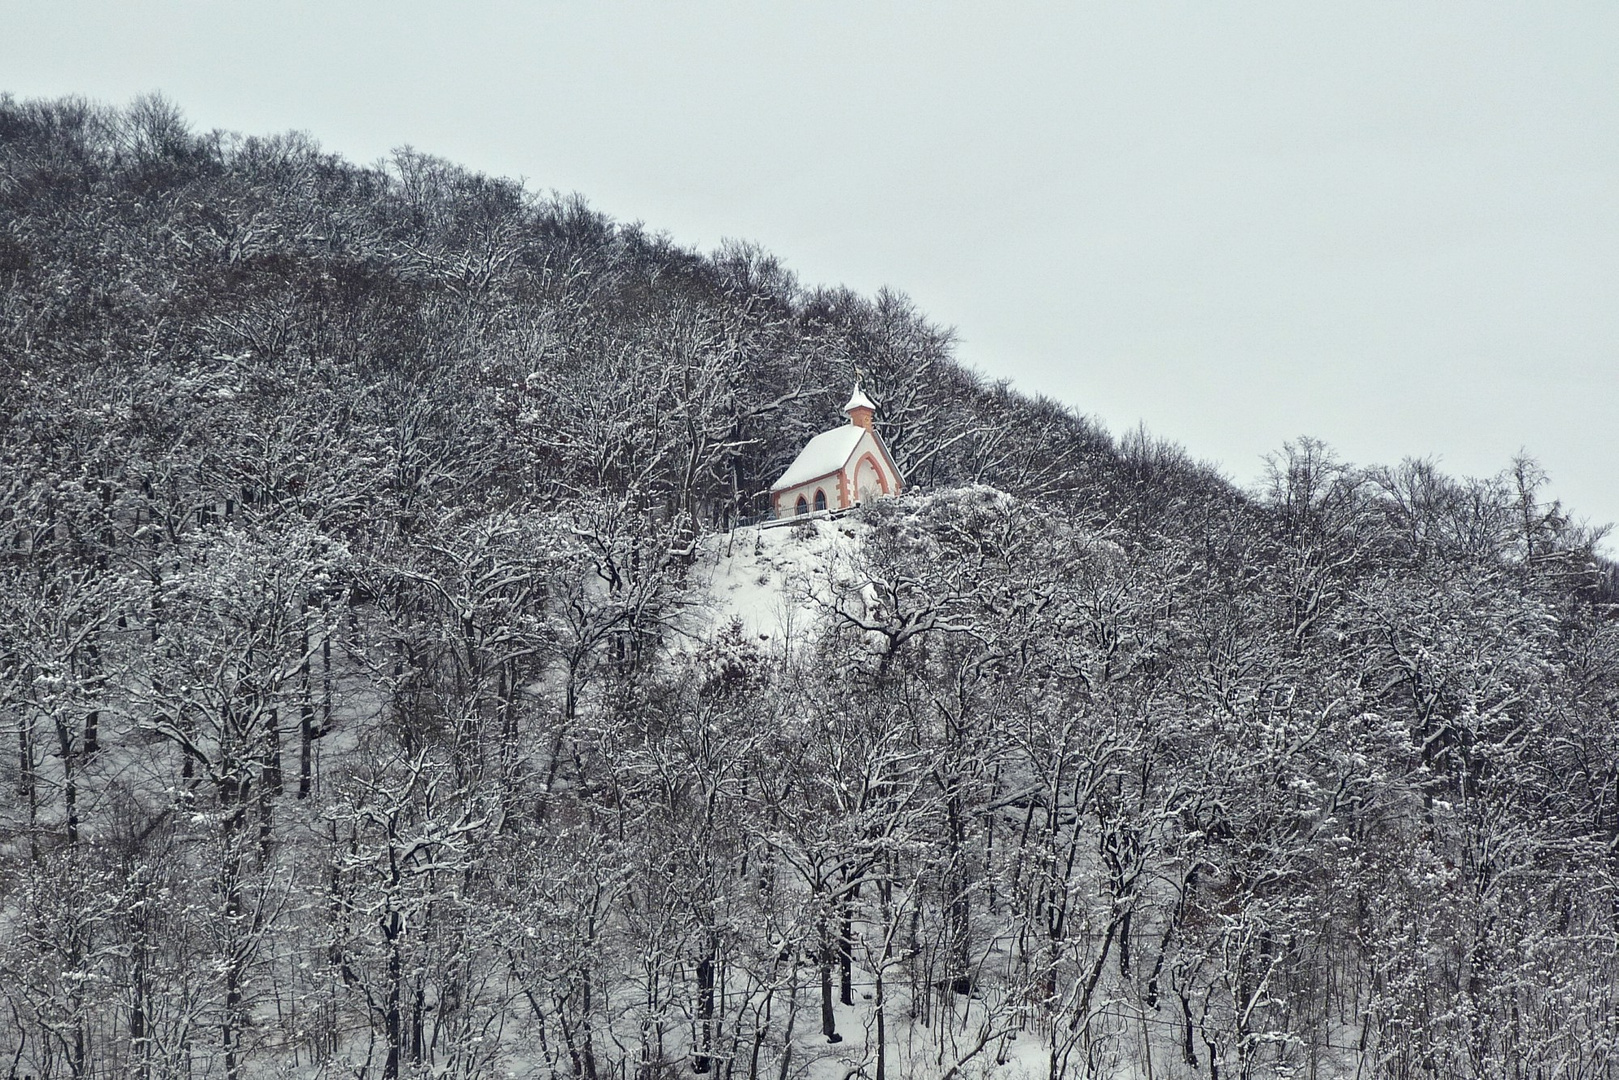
(1392, 226)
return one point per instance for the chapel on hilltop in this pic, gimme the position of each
(839, 468)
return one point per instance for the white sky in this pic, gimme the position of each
(1392, 226)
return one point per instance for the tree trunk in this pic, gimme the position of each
(70, 779)
(829, 1019)
(27, 781)
(846, 954)
(705, 1012)
(233, 795)
(92, 718)
(878, 1001)
(392, 1014)
(306, 714)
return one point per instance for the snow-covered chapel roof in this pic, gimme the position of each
(825, 454)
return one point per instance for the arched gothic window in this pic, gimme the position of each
(802, 507)
(820, 499)
(868, 481)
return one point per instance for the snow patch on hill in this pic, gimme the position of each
(767, 579)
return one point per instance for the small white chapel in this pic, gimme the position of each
(839, 468)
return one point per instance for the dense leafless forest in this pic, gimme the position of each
(360, 713)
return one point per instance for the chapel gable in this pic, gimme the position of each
(838, 469)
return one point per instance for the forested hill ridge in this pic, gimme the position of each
(393, 681)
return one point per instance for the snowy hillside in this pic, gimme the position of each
(387, 692)
(766, 578)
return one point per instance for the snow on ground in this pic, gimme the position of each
(774, 582)
(767, 579)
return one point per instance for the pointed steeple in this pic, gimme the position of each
(860, 409)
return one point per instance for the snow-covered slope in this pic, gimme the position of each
(767, 579)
